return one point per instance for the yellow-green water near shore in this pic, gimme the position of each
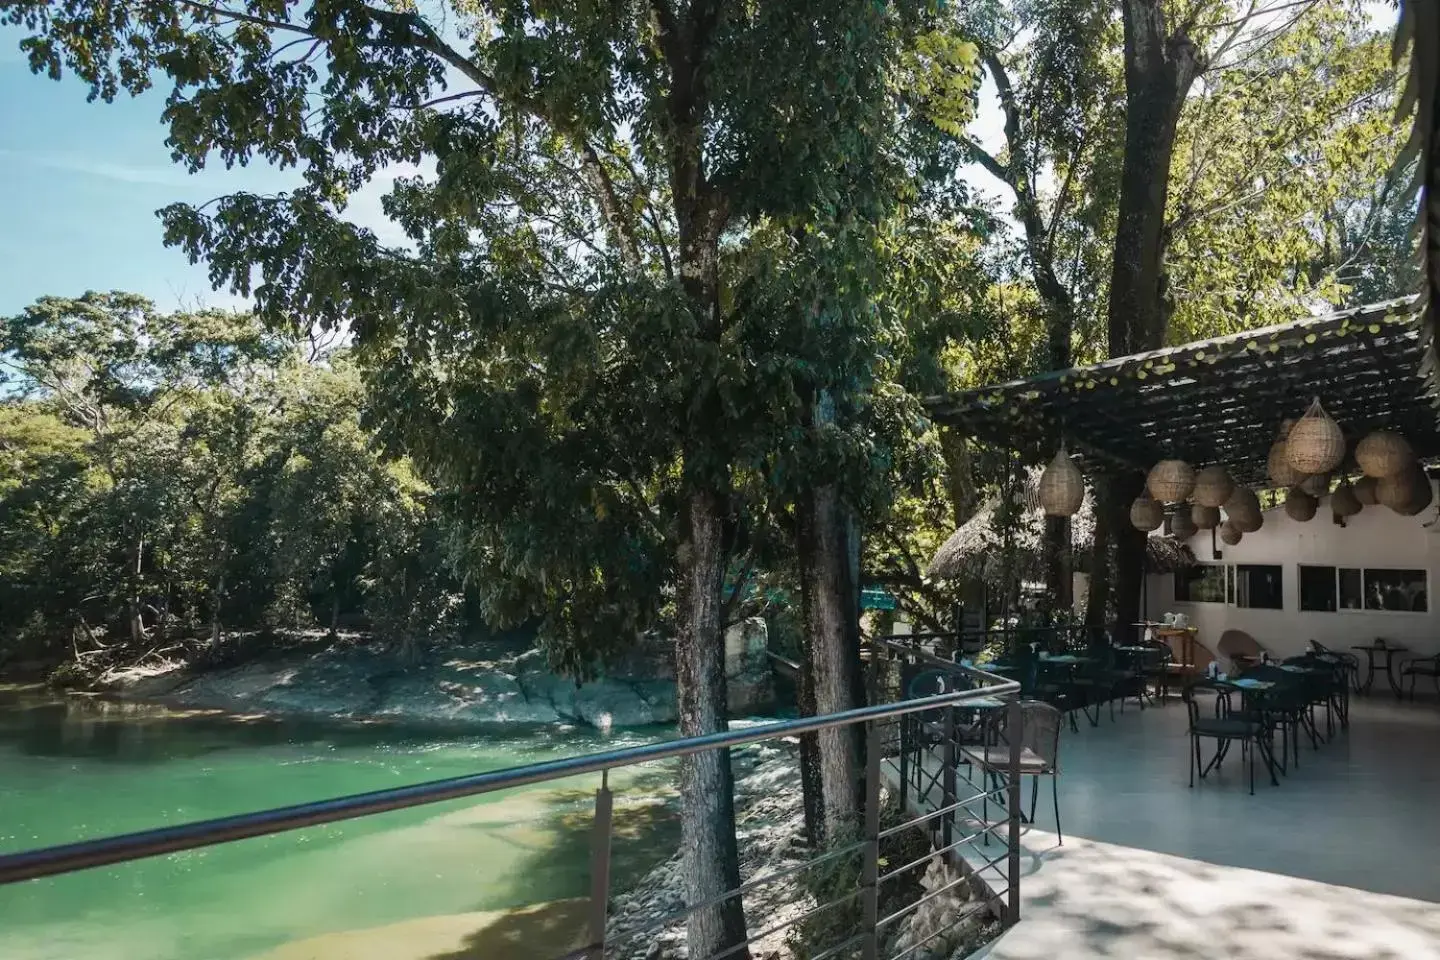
(493, 877)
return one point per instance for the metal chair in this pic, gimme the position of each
(1226, 729)
(1039, 753)
(1421, 667)
(1239, 649)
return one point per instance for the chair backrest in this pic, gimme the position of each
(1041, 730)
(1238, 643)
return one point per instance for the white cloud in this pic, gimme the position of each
(166, 176)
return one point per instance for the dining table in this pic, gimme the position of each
(1386, 652)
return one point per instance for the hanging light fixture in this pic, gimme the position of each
(1062, 487)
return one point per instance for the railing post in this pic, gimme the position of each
(870, 877)
(905, 739)
(947, 778)
(1017, 740)
(600, 867)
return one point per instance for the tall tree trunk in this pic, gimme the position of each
(1159, 70)
(137, 622)
(831, 649)
(215, 613)
(1097, 599)
(711, 859)
(1160, 67)
(1129, 559)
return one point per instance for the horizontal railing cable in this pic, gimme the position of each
(50, 861)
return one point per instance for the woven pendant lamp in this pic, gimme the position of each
(1171, 481)
(1300, 506)
(1230, 533)
(1062, 487)
(1406, 493)
(1316, 443)
(1242, 501)
(1181, 526)
(1317, 486)
(1383, 453)
(1213, 486)
(1365, 491)
(1146, 514)
(1248, 522)
(1277, 465)
(1204, 518)
(1344, 502)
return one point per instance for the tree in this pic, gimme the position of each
(559, 337)
(114, 367)
(1175, 185)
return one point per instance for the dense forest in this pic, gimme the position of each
(179, 476)
(677, 280)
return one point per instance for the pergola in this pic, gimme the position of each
(1220, 400)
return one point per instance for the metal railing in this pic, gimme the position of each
(890, 752)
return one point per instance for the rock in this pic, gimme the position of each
(489, 682)
(749, 677)
(952, 909)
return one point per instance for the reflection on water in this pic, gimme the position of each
(78, 767)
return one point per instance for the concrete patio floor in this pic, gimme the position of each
(1341, 860)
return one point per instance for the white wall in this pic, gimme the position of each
(1376, 537)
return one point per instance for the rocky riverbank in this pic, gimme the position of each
(769, 815)
(466, 684)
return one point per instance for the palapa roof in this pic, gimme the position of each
(976, 549)
(1220, 400)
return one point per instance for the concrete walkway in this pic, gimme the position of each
(1341, 860)
(1089, 899)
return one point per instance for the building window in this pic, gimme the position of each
(1317, 589)
(1202, 583)
(1352, 594)
(1396, 590)
(1258, 586)
(1326, 589)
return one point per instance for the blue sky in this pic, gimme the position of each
(82, 182)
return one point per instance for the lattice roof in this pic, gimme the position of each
(1220, 400)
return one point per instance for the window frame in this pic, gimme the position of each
(1227, 589)
(1233, 598)
(1363, 609)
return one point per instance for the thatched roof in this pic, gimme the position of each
(977, 549)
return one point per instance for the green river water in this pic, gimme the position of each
(78, 767)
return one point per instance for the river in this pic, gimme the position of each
(447, 882)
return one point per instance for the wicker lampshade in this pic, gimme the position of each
(1181, 526)
(1300, 506)
(1365, 491)
(1246, 521)
(1278, 467)
(1242, 500)
(1062, 488)
(1383, 453)
(1146, 514)
(1407, 493)
(1204, 518)
(1316, 443)
(1317, 486)
(1213, 486)
(1230, 533)
(1344, 502)
(1171, 481)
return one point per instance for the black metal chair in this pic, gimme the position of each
(1285, 707)
(1039, 754)
(1225, 729)
(1421, 667)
